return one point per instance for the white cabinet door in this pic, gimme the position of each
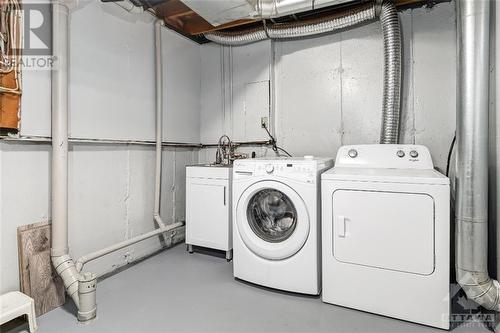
(207, 213)
(386, 230)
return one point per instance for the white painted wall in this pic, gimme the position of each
(112, 80)
(110, 199)
(111, 187)
(328, 90)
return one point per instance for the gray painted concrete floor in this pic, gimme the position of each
(177, 292)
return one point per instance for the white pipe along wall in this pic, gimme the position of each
(61, 260)
(82, 287)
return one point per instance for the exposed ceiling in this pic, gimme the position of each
(181, 18)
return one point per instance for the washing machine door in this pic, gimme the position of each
(272, 220)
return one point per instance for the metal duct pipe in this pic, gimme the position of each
(293, 30)
(391, 107)
(277, 8)
(61, 260)
(389, 19)
(472, 154)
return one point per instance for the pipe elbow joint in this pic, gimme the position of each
(480, 288)
(65, 268)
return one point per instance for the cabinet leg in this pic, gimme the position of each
(229, 255)
(190, 248)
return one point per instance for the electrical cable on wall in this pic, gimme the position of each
(274, 143)
(450, 153)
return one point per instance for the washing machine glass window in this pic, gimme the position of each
(272, 215)
(292, 239)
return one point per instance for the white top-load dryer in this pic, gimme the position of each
(386, 233)
(276, 216)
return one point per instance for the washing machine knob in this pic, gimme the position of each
(353, 153)
(269, 168)
(400, 153)
(414, 154)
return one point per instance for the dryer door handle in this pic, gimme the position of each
(340, 225)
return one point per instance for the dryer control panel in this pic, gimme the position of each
(384, 156)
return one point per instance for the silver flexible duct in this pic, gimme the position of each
(391, 107)
(392, 51)
(237, 39)
(472, 155)
(292, 30)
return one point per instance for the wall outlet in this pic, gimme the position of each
(264, 122)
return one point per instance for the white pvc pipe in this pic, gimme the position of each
(115, 247)
(60, 130)
(159, 121)
(59, 248)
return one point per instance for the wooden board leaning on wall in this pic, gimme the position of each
(37, 277)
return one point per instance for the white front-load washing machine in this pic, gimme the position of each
(276, 216)
(386, 233)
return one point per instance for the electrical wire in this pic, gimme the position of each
(450, 152)
(274, 143)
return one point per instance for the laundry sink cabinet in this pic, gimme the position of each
(208, 208)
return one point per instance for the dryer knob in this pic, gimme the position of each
(269, 168)
(353, 153)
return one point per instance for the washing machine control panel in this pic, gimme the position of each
(385, 156)
(299, 171)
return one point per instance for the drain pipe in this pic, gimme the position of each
(391, 30)
(80, 288)
(59, 250)
(471, 218)
(159, 121)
